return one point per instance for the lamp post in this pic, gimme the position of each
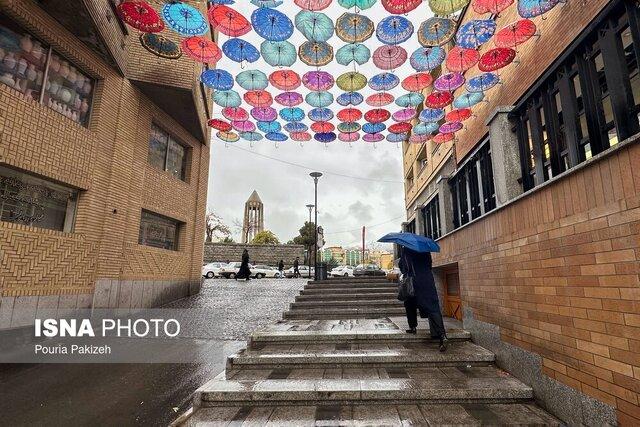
(315, 176)
(310, 207)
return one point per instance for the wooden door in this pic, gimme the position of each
(453, 305)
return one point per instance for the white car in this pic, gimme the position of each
(212, 269)
(303, 269)
(259, 271)
(342, 271)
(230, 271)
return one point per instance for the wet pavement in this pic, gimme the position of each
(144, 394)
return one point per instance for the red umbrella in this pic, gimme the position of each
(400, 127)
(349, 115)
(285, 79)
(322, 127)
(201, 49)
(515, 34)
(458, 115)
(416, 82)
(379, 99)
(491, 6)
(300, 136)
(399, 7)
(378, 115)
(389, 57)
(141, 16)
(258, 98)
(228, 21)
(497, 58)
(220, 125)
(443, 137)
(460, 59)
(438, 99)
(235, 113)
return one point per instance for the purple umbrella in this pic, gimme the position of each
(449, 82)
(450, 127)
(318, 80)
(373, 137)
(264, 114)
(243, 126)
(404, 115)
(289, 99)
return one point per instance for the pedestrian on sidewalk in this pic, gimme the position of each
(425, 300)
(244, 272)
(296, 267)
(281, 268)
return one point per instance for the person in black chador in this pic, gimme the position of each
(418, 265)
(244, 272)
(281, 268)
(296, 267)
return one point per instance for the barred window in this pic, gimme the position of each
(165, 153)
(431, 217)
(158, 231)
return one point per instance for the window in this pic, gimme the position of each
(408, 181)
(28, 200)
(421, 160)
(431, 218)
(411, 226)
(158, 231)
(26, 64)
(166, 154)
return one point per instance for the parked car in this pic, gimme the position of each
(368, 270)
(261, 270)
(342, 271)
(303, 269)
(230, 271)
(212, 269)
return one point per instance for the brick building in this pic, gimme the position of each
(536, 207)
(103, 163)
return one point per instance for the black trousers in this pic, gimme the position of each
(436, 323)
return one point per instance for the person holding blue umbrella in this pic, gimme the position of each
(416, 262)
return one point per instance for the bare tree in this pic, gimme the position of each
(245, 229)
(215, 227)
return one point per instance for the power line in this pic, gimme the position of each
(312, 168)
(367, 226)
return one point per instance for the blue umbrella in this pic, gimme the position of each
(353, 52)
(425, 128)
(411, 99)
(271, 24)
(315, 26)
(296, 127)
(373, 127)
(394, 29)
(397, 137)
(292, 114)
(319, 99)
(267, 127)
(475, 33)
(250, 136)
(353, 27)
(184, 19)
(217, 79)
(350, 98)
(468, 100)
(276, 136)
(482, 82)
(427, 58)
(227, 98)
(432, 115)
(533, 8)
(384, 81)
(278, 54)
(252, 80)
(239, 50)
(411, 241)
(266, 3)
(325, 137)
(320, 115)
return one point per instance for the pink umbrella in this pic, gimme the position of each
(404, 115)
(379, 99)
(373, 137)
(449, 82)
(289, 99)
(243, 126)
(300, 136)
(313, 5)
(389, 57)
(419, 139)
(264, 114)
(450, 127)
(235, 113)
(348, 136)
(318, 80)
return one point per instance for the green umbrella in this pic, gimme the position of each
(252, 80)
(351, 81)
(278, 54)
(354, 28)
(227, 98)
(447, 7)
(353, 52)
(315, 26)
(410, 99)
(349, 127)
(319, 99)
(315, 54)
(360, 4)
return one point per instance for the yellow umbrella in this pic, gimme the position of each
(351, 81)
(447, 7)
(228, 136)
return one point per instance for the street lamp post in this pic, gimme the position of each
(315, 176)
(310, 207)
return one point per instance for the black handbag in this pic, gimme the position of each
(405, 287)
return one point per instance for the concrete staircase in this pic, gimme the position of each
(341, 357)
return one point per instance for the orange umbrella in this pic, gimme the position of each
(460, 59)
(491, 6)
(443, 137)
(322, 127)
(228, 21)
(349, 115)
(201, 49)
(416, 82)
(379, 99)
(258, 98)
(459, 115)
(515, 34)
(285, 80)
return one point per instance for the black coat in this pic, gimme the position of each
(244, 272)
(418, 265)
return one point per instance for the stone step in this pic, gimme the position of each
(350, 291)
(343, 313)
(351, 286)
(346, 297)
(340, 303)
(335, 280)
(314, 356)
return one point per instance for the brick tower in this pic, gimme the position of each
(253, 218)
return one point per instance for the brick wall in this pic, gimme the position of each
(558, 271)
(258, 254)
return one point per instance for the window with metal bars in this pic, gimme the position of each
(431, 218)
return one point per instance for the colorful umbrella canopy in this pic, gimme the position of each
(377, 115)
(349, 136)
(267, 127)
(235, 113)
(447, 7)
(360, 4)
(400, 127)
(313, 5)
(411, 99)
(201, 49)
(292, 114)
(264, 114)
(482, 82)
(325, 137)
(419, 139)
(491, 6)
(284, 79)
(450, 127)
(267, 3)
(227, 98)
(349, 127)
(427, 58)
(404, 115)
(322, 127)
(141, 16)
(300, 136)
(515, 33)
(227, 136)
(319, 99)
(459, 115)
(425, 128)
(475, 33)
(354, 28)
(317, 80)
(400, 6)
(380, 99)
(394, 29)
(441, 138)
(217, 79)
(468, 100)
(460, 59)
(353, 52)
(397, 137)
(496, 58)
(251, 136)
(373, 137)
(184, 19)
(278, 54)
(436, 31)
(271, 24)
(252, 80)
(389, 57)
(219, 125)
(276, 136)
(294, 127)
(438, 99)
(416, 82)
(533, 8)
(350, 98)
(320, 114)
(315, 54)
(258, 98)
(289, 99)
(351, 81)
(160, 46)
(222, 2)
(384, 81)
(239, 50)
(449, 82)
(315, 26)
(349, 115)
(243, 126)
(373, 127)
(228, 21)
(431, 115)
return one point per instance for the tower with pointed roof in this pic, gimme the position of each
(253, 218)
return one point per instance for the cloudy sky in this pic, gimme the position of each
(362, 183)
